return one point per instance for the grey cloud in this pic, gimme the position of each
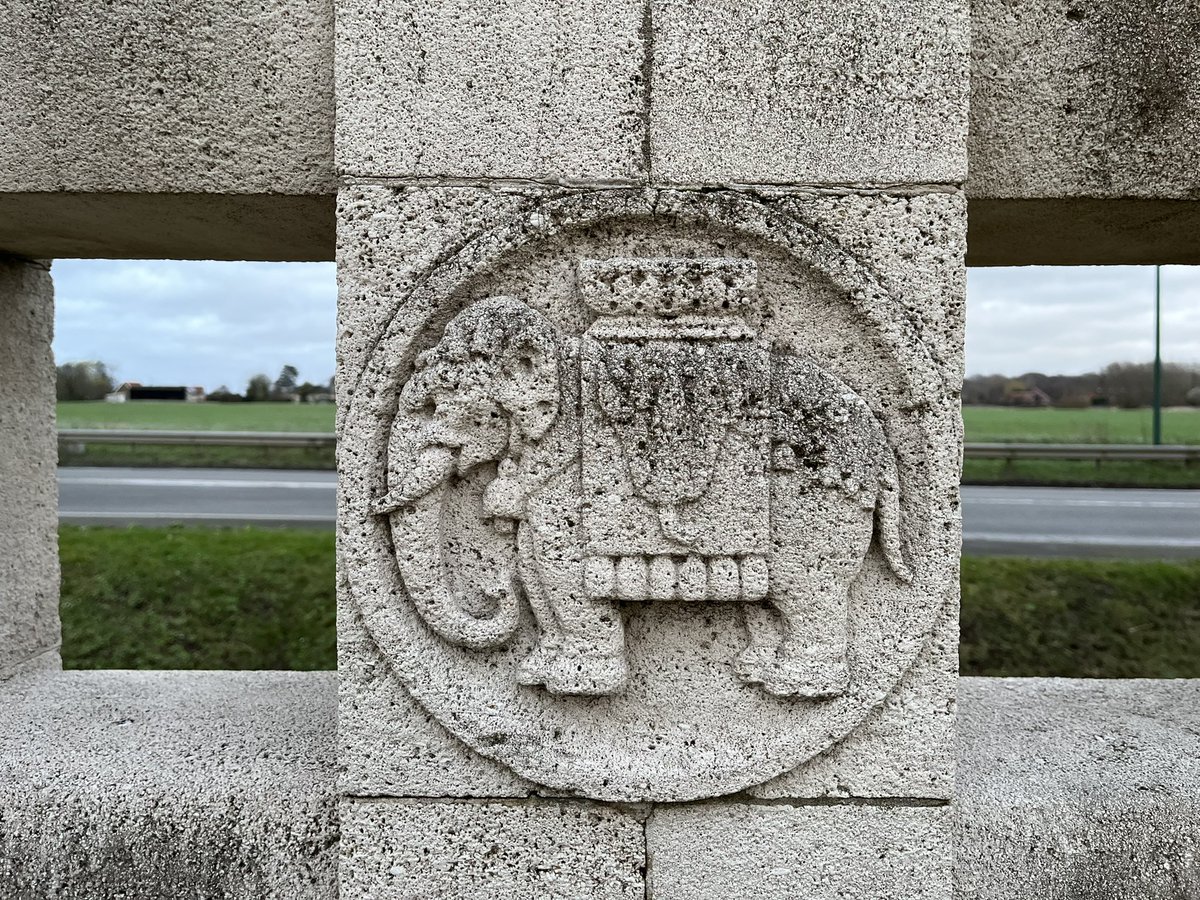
(1072, 320)
(206, 323)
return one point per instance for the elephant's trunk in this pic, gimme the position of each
(417, 537)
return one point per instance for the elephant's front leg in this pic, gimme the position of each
(819, 538)
(583, 650)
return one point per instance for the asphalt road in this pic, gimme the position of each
(104, 496)
(997, 520)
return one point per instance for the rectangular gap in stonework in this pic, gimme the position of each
(196, 464)
(200, 556)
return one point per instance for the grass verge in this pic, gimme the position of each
(148, 456)
(1082, 619)
(195, 598)
(1081, 473)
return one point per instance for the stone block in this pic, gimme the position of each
(1078, 788)
(29, 573)
(148, 785)
(146, 96)
(429, 850)
(802, 92)
(659, 702)
(732, 851)
(153, 784)
(388, 746)
(1086, 99)
(905, 748)
(539, 90)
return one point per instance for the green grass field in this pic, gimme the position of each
(197, 598)
(148, 415)
(987, 424)
(982, 423)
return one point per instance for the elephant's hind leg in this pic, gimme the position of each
(819, 538)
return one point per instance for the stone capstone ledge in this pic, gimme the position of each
(222, 784)
(168, 784)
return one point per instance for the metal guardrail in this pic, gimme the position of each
(312, 440)
(1091, 452)
(308, 439)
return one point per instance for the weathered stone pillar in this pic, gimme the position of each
(650, 350)
(29, 627)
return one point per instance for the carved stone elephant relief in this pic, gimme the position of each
(666, 455)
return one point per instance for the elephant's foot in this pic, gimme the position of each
(587, 674)
(537, 666)
(785, 674)
(815, 676)
(754, 664)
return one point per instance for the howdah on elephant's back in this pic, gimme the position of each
(675, 419)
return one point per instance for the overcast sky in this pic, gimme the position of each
(213, 324)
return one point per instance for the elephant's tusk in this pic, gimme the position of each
(434, 465)
(391, 503)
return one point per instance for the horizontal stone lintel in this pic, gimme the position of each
(1063, 231)
(210, 134)
(147, 784)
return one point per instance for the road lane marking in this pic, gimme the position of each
(1116, 504)
(201, 483)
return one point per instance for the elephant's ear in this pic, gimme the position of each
(529, 384)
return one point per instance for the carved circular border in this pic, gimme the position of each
(364, 540)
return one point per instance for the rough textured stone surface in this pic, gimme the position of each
(1085, 132)
(1067, 788)
(29, 627)
(1078, 790)
(905, 748)
(868, 286)
(540, 90)
(1085, 98)
(1083, 144)
(211, 96)
(168, 784)
(429, 850)
(388, 746)
(809, 92)
(713, 851)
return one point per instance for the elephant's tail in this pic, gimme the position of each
(887, 509)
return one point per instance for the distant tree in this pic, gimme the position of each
(1193, 396)
(83, 381)
(307, 389)
(1124, 384)
(285, 385)
(224, 395)
(984, 390)
(258, 388)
